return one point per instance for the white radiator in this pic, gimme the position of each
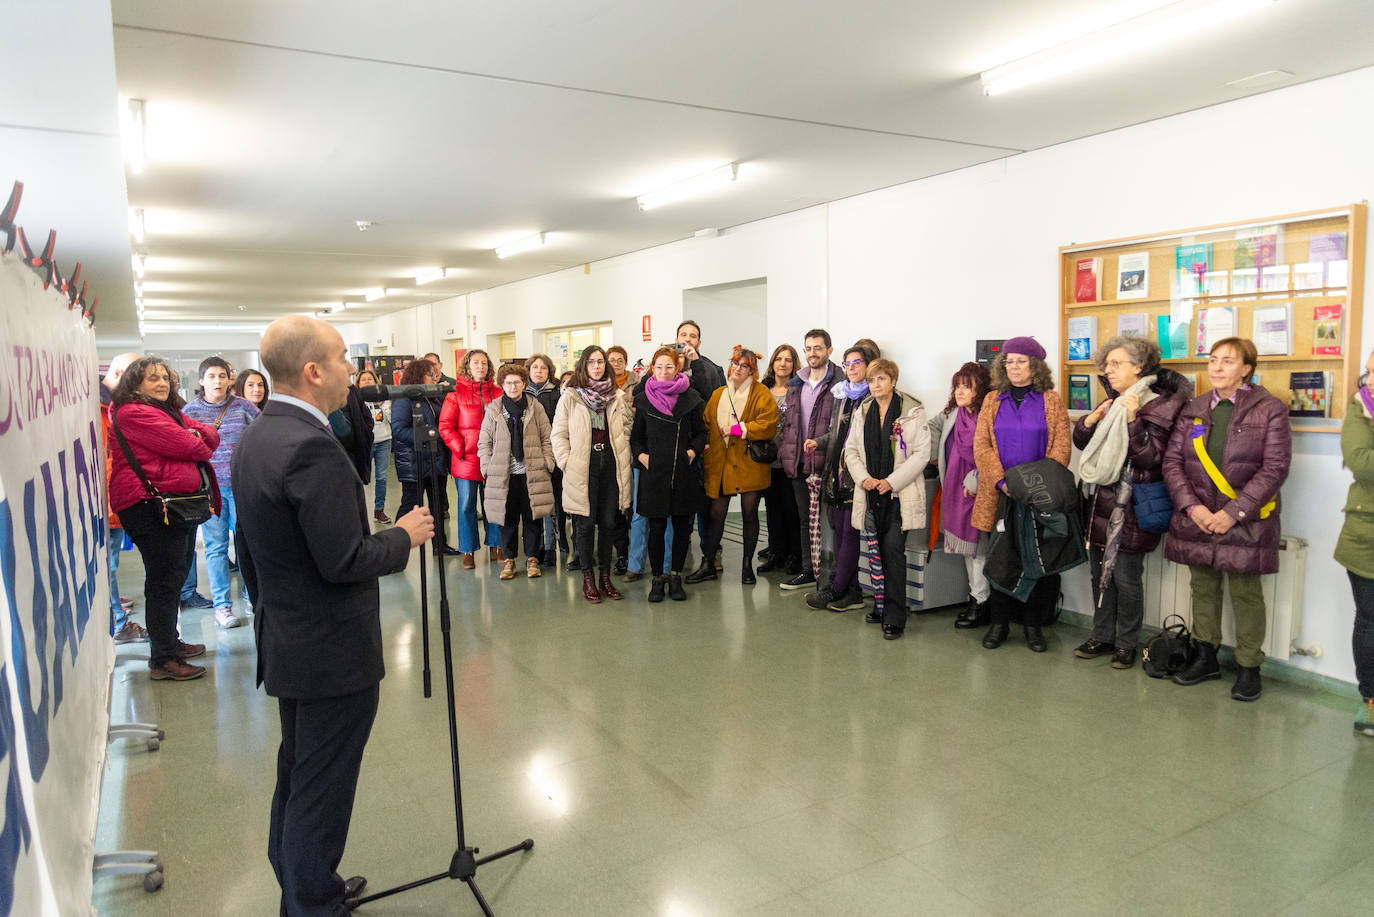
(1168, 590)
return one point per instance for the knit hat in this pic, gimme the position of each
(1026, 346)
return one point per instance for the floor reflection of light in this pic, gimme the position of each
(674, 908)
(541, 775)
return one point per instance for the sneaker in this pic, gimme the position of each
(508, 568)
(532, 569)
(175, 670)
(802, 580)
(822, 598)
(131, 633)
(126, 603)
(1123, 658)
(190, 650)
(1091, 649)
(197, 601)
(1364, 723)
(224, 617)
(851, 598)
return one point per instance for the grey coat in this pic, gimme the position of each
(493, 454)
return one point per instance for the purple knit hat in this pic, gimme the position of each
(1026, 346)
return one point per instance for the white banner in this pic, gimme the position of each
(56, 654)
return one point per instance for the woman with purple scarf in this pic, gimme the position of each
(951, 451)
(668, 435)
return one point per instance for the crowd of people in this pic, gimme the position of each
(636, 460)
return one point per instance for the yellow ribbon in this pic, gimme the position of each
(1213, 472)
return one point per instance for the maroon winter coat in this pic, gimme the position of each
(1259, 446)
(1149, 439)
(795, 462)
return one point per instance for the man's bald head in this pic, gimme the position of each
(290, 343)
(117, 367)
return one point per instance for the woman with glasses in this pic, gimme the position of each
(460, 425)
(1227, 458)
(1022, 420)
(1355, 549)
(591, 444)
(739, 412)
(1123, 443)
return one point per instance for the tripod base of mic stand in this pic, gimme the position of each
(462, 867)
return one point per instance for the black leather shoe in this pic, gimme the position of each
(1247, 686)
(771, 564)
(706, 571)
(446, 551)
(575, 564)
(1204, 666)
(658, 588)
(996, 634)
(874, 617)
(621, 565)
(1035, 639)
(746, 574)
(353, 886)
(891, 633)
(968, 618)
(675, 590)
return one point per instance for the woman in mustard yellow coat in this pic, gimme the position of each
(739, 412)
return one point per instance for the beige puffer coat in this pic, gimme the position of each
(493, 455)
(908, 471)
(572, 448)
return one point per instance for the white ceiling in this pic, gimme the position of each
(273, 126)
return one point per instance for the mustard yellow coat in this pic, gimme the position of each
(729, 469)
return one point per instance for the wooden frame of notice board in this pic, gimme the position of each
(1293, 284)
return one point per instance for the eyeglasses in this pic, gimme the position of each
(850, 364)
(1021, 361)
(737, 364)
(1117, 364)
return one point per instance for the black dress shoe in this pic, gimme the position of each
(995, 635)
(353, 886)
(1035, 639)
(446, 551)
(746, 575)
(575, 564)
(891, 633)
(771, 564)
(621, 565)
(706, 571)
(874, 617)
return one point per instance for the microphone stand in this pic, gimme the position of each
(464, 863)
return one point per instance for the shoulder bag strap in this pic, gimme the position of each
(224, 410)
(1213, 472)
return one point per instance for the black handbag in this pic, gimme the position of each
(183, 509)
(1169, 651)
(763, 451)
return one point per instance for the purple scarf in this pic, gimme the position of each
(663, 395)
(1368, 399)
(956, 515)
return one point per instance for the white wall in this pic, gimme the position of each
(927, 267)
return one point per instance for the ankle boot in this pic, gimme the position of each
(656, 590)
(1247, 686)
(589, 588)
(1035, 638)
(1203, 667)
(607, 587)
(995, 635)
(968, 618)
(706, 571)
(675, 590)
(746, 575)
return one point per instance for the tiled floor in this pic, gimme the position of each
(741, 754)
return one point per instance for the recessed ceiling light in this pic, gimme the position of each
(521, 245)
(364, 225)
(135, 148)
(690, 187)
(338, 307)
(429, 276)
(374, 295)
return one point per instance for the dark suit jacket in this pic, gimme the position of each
(309, 558)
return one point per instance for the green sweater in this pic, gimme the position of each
(1355, 549)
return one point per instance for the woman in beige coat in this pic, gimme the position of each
(516, 458)
(886, 453)
(591, 442)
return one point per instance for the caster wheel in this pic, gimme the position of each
(154, 744)
(153, 881)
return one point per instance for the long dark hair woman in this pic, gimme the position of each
(784, 521)
(414, 468)
(951, 451)
(172, 451)
(381, 444)
(591, 443)
(740, 411)
(543, 385)
(252, 386)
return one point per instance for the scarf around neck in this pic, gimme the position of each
(596, 396)
(957, 509)
(663, 395)
(538, 388)
(854, 391)
(515, 419)
(1105, 454)
(1367, 400)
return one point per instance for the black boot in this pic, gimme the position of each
(706, 571)
(1035, 638)
(1247, 686)
(1203, 667)
(968, 618)
(772, 563)
(746, 574)
(656, 590)
(995, 635)
(675, 590)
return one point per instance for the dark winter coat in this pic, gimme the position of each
(795, 461)
(1149, 439)
(706, 376)
(1040, 535)
(1258, 450)
(403, 441)
(671, 485)
(358, 441)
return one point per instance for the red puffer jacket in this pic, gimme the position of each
(460, 422)
(168, 452)
(1259, 447)
(1149, 439)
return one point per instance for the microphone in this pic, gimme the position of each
(413, 392)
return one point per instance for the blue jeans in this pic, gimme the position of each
(188, 588)
(639, 537)
(215, 531)
(381, 461)
(114, 544)
(466, 516)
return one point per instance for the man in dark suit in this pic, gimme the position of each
(310, 561)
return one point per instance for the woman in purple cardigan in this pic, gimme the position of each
(1227, 459)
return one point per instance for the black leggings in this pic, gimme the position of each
(784, 524)
(164, 550)
(720, 507)
(682, 537)
(603, 500)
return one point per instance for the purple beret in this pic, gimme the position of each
(1026, 346)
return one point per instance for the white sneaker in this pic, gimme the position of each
(224, 617)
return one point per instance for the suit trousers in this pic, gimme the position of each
(321, 751)
(165, 550)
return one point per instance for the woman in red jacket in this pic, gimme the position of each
(460, 423)
(169, 447)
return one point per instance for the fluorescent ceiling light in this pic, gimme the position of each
(137, 226)
(1174, 23)
(229, 327)
(374, 295)
(138, 136)
(138, 262)
(429, 276)
(690, 187)
(521, 245)
(338, 307)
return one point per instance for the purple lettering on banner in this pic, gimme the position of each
(35, 719)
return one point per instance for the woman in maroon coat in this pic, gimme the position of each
(1227, 459)
(168, 446)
